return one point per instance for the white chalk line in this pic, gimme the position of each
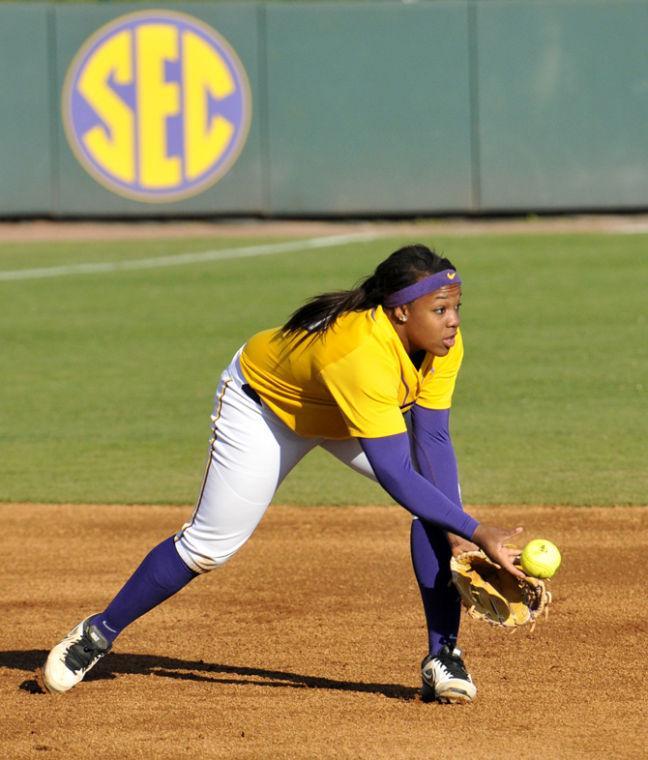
(181, 259)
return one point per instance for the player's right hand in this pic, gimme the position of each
(491, 541)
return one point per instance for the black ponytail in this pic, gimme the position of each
(319, 312)
(404, 267)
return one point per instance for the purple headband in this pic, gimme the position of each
(422, 287)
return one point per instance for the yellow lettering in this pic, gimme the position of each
(156, 99)
(112, 147)
(204, 72)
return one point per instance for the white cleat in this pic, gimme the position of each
(445, 678)
(72, 658)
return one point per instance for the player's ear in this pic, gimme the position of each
(401, 313)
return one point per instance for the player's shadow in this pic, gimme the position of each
(115, 664)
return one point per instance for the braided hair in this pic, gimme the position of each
(404, 267)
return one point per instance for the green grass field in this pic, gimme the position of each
(107, 378)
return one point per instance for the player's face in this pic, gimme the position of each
(431, 322)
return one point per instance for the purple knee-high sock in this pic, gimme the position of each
(161, 574)
(431, 559)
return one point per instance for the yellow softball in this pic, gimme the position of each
(540, 558)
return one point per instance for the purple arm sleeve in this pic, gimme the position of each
(434, 452)
(391, 462)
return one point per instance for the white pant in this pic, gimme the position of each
(251, 452)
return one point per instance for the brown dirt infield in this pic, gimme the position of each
(307, 644)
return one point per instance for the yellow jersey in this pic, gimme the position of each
(354, 380)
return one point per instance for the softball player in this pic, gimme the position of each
(341, 374)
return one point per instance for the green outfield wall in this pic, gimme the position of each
(322, 108)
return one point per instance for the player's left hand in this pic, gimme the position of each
(459, 545)
(489, 592)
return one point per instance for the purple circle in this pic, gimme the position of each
(80, 116)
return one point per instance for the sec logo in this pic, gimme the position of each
(156, 106)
